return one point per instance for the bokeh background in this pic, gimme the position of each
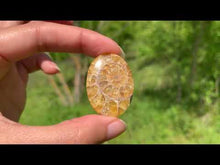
(176, 70)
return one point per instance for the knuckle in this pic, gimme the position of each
(38, 32)
(72, 132)
(75, 136)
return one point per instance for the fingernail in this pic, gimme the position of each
(57, 68)
(122, 53)
(54, 65)
(115, 128)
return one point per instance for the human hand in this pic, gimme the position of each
(22, 44)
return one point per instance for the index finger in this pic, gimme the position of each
(24, 40)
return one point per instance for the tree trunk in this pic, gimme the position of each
(176, 26)
(194, 53)
(66, 89)
(100, 25)
(77, 78)
(57, 90)
(179, 86)
(83, 73)
(217, 81)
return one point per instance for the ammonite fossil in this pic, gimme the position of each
(109, 85)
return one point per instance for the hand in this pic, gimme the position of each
(21, 47)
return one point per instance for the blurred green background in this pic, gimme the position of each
(176, 70)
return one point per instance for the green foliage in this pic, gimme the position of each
(176, 68)
(150, 119)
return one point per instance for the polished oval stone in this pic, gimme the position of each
(109, 85)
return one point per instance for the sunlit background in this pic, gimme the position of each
(176, 70)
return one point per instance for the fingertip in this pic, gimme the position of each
(108, 46)
(99, 128)
(49, 67)
(115, 129)
(94, 44)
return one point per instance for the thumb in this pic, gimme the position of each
(90, 129)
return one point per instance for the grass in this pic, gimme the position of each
(152, 118)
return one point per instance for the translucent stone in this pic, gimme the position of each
(109, 85)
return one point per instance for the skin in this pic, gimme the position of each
(21, 53)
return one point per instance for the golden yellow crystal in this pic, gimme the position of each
(109, 85)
